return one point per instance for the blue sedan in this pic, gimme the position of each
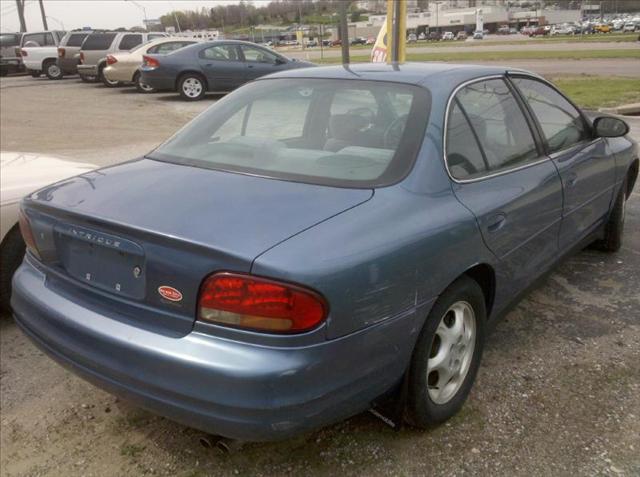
(319, 242)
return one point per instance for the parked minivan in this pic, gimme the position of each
(96, 47)
(69, 51)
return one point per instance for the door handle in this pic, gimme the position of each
(572, 178)
(249, 66)
(496, 222)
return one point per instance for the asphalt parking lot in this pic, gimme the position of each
(558, 392)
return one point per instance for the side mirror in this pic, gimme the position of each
(608, 126)
(280, 61)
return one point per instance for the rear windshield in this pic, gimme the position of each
(9, 39)
(98, 41)
(76, 39)
(348, 133)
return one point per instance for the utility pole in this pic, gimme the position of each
(23, 24)
(344, 31)
(44, 17)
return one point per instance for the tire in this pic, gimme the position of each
(614, 228)
(52, 70)
(142, 88)
(192, 87)
(35, 74)
(108, 83)
(428, 402)
(11, 255)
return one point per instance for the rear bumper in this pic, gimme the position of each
(87, 70)
(69, 66)
(225, 387)
(118, 74)
(158, 80)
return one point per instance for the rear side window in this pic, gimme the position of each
(130, 41)
(9, 40)
(98, 41)
(168, 47)
(41, 39)
(76, 39)
(562, 124)
(464, 157)
(498, 124)
(220, 53)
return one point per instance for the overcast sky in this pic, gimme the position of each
(96, 13)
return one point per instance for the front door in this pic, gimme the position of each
(586, 166)
(259, 62)
(503, 177)
(223, 67)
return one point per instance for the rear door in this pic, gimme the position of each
(504, 178)
(259, 62)
(223, 66)
(586, 166)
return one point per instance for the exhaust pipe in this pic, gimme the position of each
(223, 444)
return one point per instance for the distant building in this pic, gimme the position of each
(457, 15)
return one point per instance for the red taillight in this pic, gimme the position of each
(249, 302)
(81, 58)
(111, 60)
(61, 52)
(150, 62)
(27, 234)
(23, 52)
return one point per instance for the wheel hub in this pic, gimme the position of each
(451, 352)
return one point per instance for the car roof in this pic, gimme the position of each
(409, 73)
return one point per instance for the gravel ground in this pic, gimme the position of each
(558, 392)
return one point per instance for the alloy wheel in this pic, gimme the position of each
(192, 87)
(451, 352)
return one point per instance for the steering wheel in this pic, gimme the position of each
(394, 131)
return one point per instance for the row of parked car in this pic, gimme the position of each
(150, 61)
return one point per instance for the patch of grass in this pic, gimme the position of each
(506, 55)
(593, 92)
(131, 450)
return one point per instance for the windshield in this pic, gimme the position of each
(349, 133)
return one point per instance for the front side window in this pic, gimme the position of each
(220, 53)
(561, 123)
(498, 125)
(304, 130)
(130, 41)
(258, 54)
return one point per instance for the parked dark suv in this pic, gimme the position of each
(10, 59)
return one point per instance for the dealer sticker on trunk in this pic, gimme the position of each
(169, 293)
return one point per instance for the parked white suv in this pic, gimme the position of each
(40, 53)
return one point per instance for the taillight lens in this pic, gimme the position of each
(23, 52)
(81, 58)
(61, 52)
(27, 234)
(150, 62)
(255, 303)
(111, 60)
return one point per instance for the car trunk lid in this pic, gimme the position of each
(140, 237)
